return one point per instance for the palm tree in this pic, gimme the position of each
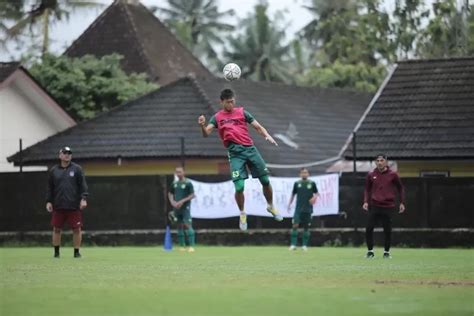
(350, 31)
(317, 30)
(197, 23)
(43, 14)
(259, 50)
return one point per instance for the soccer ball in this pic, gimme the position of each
(231, 72)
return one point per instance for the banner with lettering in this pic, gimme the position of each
(216, 200)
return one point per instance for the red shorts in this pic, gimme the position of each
(73, 218)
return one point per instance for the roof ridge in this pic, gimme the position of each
(202, 93)
(176, 38)
(10, 62)
(435, 59)
(91, 26)
(306, 88)
(137, 38)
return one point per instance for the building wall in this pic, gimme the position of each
(461, 168)
(163, 167)
(19, 118)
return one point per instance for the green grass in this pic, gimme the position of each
(236, 281)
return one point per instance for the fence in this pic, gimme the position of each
(139, 202)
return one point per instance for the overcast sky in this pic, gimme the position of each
(63, 33)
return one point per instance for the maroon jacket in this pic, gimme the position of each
(380, 188)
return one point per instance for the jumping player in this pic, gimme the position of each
(231, 123)
(306, 195)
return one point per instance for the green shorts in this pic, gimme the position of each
(302, 218)
(183, 216)
(241, 157)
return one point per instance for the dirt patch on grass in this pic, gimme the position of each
(430, 283)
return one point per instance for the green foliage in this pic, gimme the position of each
(350, 31)
(88, 85)
(259, 50)
(359, 77)
(197, 24)
(447, 33)
(406, 24)
(35, 18)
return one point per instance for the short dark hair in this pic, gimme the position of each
(227, 94)
(384, 156)
(304, 169)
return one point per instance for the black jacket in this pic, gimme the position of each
(66, 187)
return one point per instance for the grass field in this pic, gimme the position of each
(236, 281)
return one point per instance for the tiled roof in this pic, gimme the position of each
(425, 111)
(131, 30)
(150, 127)
(6, 69)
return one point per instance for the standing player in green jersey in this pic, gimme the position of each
(180, 195)
(307, 194)
(231, 123)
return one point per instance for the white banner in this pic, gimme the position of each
(216, 200)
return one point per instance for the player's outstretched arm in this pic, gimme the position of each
(206, 130)
(262, 131)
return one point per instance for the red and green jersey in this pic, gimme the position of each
(232, 126)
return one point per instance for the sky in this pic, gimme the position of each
(64, 33)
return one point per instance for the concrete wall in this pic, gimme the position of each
(26, 112)
(456, 168)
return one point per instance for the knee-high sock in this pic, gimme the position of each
(294, 236)
(181, 237)
(191, 237)
(306, 235)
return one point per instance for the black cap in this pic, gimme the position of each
(65, 149)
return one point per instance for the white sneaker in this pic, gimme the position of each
(276, 215)
(243, 222)
(292, 248)
(304, 248)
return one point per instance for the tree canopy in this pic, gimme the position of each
(89, 85)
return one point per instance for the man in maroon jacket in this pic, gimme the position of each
(379, 201)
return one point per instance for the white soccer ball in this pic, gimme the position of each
(231, 72)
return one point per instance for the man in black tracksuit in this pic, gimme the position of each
(66, 198)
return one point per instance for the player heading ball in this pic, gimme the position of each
(231, 123)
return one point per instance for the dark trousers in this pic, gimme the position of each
(379, 215)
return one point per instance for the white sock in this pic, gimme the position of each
(371, 250)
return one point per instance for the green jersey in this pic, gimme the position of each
(180, 190)
(304, 190)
